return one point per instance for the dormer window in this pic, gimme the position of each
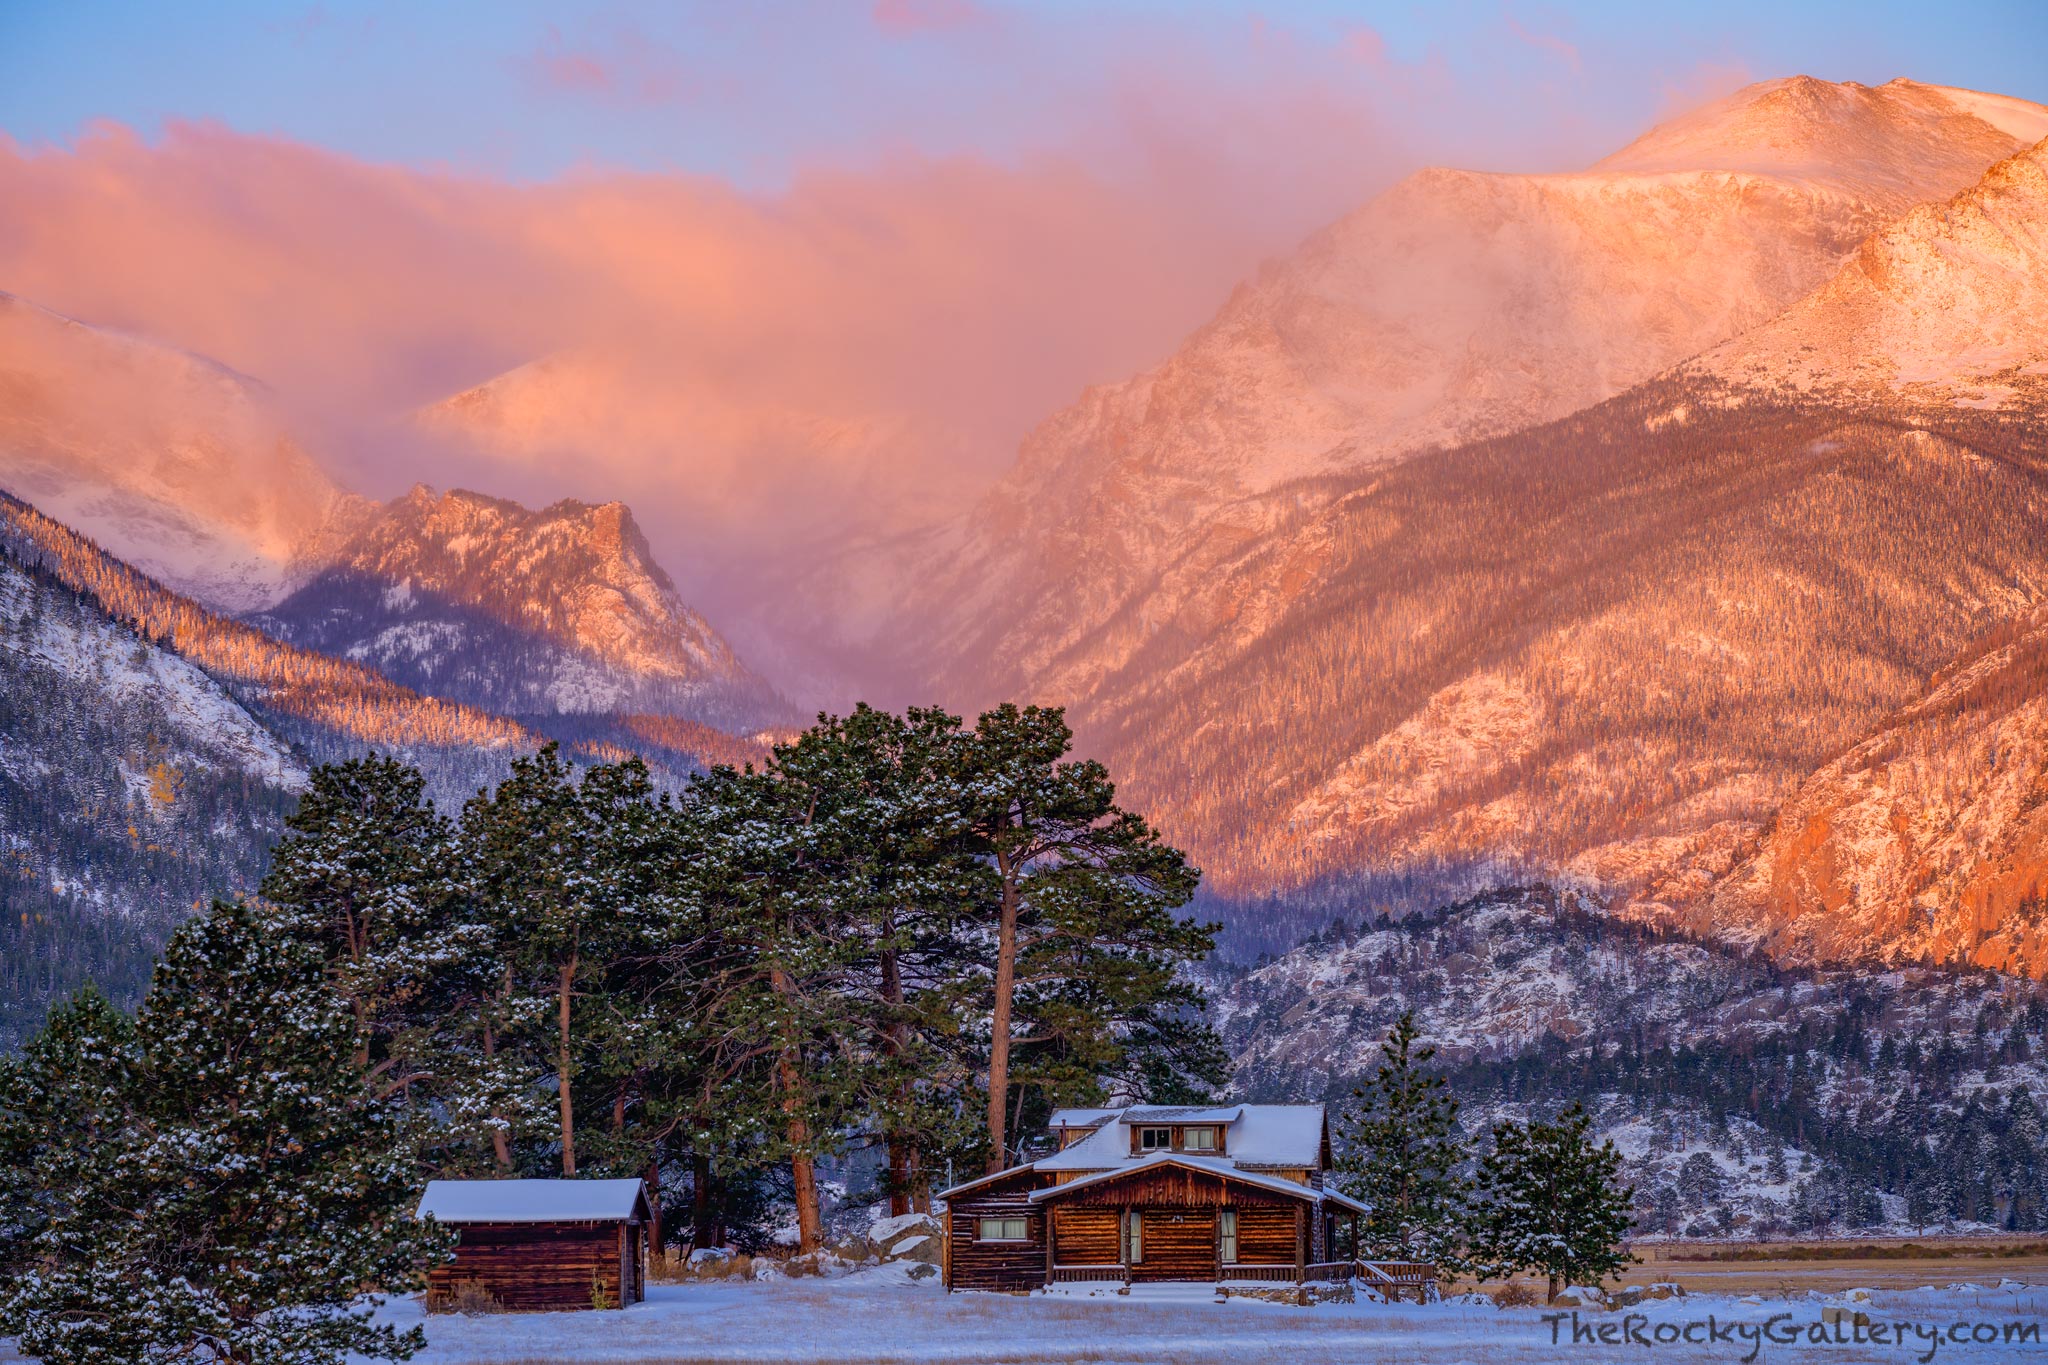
(1199, 1140)
(1155, 1139)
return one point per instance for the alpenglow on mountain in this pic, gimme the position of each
(1669, 529)
(557, 611)
(1431, 562)
(189, 472)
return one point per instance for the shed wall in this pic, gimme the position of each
(544, 1265)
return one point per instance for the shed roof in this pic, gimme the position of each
(533, 1201)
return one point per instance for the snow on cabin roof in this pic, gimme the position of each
(531, 1201)
(1254, 1135)
(1343, 1200)
(1278, 1135)
(1081, 1118)
(981, 1180)
(1184, 1113)
(1222, 1166)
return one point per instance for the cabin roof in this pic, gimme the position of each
(1183, 1113)
(981, 1180)
(1220, 1167)
(1288, 1135)
(1345, 1201)
(533, 1201)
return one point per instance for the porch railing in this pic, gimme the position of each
(1090, 1274)
(1396, 1279)
(1262, 1274)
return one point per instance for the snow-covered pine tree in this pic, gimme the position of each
(1548, 1200)
(366, 874)
(245, 1188)
(534, 867)
(59, 1101)
(1402, 1151)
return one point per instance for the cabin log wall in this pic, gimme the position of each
(1174, 1187)
(1265, 1234)
(1177, 1245)
(1086, 1236)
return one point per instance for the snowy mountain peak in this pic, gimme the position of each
(1456, 307)
(1949, 303)
(173, 462)
(1892, 139)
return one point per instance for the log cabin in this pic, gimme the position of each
(1151, 1193)
(542, 1244)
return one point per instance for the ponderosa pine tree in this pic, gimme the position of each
(1402, 1152)
(1079, 928)
(533, 866)
(246, 1187)
(908, 870)
(1548, 1200)
(773, 955)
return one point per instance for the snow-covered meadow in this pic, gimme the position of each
(880, 1315)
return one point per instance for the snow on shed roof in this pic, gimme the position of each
(532, 1201)
(1214, 1165)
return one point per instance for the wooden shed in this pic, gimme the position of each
(542, 1244)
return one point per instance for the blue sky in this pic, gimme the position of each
(754, 93)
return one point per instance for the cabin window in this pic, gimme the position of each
(1134, 1237)
(1001, 1230)
(1226, 1236)
(1199, 1139)
(1155, 1139)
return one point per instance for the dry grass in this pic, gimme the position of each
(470, 1299)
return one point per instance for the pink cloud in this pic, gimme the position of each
(922, 16)
(636, 72)
(1705, 82)
(1548, 43)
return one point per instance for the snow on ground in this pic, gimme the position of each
(882, 1316)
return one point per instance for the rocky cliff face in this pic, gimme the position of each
(1926, 840)
(557, 611)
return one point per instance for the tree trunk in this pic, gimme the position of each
(999, 1023)
(803, 1171)
(653, 1179)
(501, 1146)
(700, 1202)
(563, 1067)
(1553, 1289)
(894, 1044)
